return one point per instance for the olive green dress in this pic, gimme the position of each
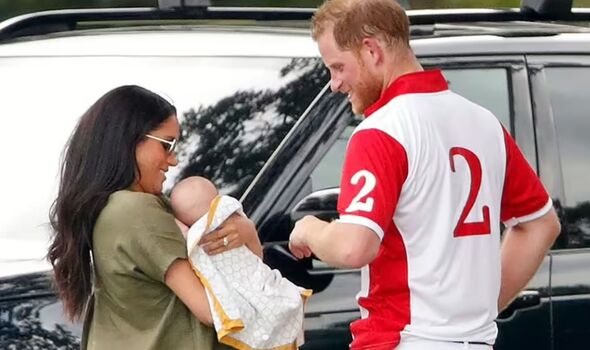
(134, 242)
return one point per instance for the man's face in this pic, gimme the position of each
(349, 73)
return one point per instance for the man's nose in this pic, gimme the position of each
(335, 85)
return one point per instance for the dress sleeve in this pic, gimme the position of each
(154, 241)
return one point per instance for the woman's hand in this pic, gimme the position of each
(236, 231)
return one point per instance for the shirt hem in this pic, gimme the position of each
(360, 220)
(530, 217)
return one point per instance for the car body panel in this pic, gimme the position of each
(190, 41)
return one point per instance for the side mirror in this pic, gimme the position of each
(322, 204)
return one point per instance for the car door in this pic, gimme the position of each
(500, 83)
(304, 176)
(560, 86)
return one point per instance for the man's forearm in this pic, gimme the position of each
(523, 249)
(327, 246)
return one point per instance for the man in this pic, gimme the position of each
(427, 177)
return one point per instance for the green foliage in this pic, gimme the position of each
(229, 141)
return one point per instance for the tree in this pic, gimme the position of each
(230, 141)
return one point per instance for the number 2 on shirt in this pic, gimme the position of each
(470, 228)
(370, 181)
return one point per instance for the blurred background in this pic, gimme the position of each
(10, 8)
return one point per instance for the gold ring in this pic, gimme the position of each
(225, 241)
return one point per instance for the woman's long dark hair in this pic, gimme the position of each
(98, 160)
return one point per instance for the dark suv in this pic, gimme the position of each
(258, 118)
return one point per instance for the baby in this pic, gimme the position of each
(190, 200)
(252, 306)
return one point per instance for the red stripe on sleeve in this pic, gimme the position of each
(524, 194)
(375, 169)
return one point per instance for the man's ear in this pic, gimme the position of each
(373, 50)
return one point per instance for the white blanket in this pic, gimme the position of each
(253, 307)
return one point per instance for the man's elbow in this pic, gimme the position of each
(356, 245)
(356, 258)
(554, 226)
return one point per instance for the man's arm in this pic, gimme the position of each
(337, 244)
(523, 248)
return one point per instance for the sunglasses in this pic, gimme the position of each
(169, 146)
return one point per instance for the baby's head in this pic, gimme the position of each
(191, 197)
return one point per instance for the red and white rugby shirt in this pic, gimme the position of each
(432, 174)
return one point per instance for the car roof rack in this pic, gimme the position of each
(47, 22)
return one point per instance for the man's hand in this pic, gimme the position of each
(298, 242)
(337, 244)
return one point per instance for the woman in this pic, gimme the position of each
(113, 227)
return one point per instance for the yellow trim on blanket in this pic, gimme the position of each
(305, 295)
(228, 325)
(210, 217)
(226, 338)
(212, 210)
(233, 342)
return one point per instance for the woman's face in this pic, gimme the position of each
(153, 158)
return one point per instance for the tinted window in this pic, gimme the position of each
(568, 89)
(486, 87)
(328, 172)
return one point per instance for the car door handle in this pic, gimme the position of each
(525, 299)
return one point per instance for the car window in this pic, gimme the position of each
(327, 174)
(568, 89)
(234, 111)
(487, 87)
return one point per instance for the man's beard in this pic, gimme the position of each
(367, 92)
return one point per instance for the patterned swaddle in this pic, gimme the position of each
(253, 307)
